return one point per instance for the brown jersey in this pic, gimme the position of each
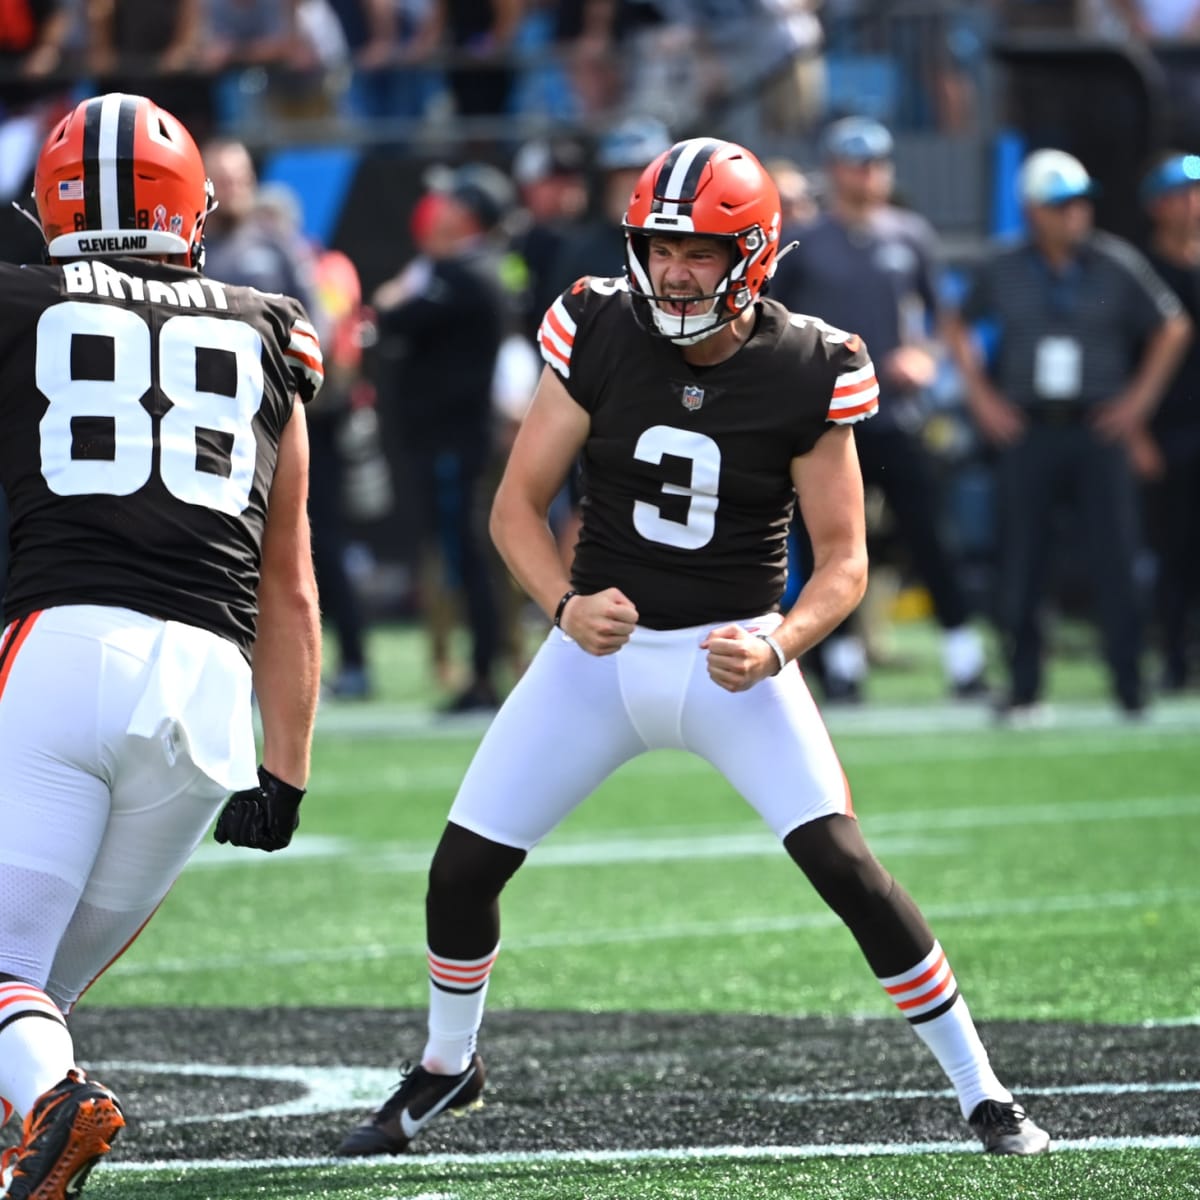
(141, 407)
(687, 470)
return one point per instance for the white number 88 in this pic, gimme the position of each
(119, 399)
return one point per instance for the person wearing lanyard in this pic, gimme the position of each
(1087, 337)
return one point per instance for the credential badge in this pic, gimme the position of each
(693, 397)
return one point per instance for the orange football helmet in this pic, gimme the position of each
(119, 175)
(704, 187)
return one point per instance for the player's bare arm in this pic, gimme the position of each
(550, 438)
(287, 649)
(829, 490)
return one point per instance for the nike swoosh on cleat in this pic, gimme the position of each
(75, 1185)
(413, 1125)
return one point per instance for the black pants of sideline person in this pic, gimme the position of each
(1050, 464)
(1173, 505)
(448, 483)
(338, 597)
(898, 463)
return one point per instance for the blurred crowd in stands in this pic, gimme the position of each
(222, 63)
(370, 63)
(430, 370)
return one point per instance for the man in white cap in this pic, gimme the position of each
(1086, 338)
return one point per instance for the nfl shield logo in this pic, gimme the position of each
(693, 397)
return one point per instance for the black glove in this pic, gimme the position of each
(264, 817)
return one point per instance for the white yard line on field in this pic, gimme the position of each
(657, 932)
(755, 842)
(874, 1096)
(419, 1164)
(902, 833)
(1177, 715)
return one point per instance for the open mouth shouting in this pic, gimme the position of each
(683, 305)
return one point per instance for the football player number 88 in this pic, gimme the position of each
(118, 400)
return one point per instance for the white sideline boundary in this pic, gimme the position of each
(692, 1154)
(336, 1090)
(1173, 715)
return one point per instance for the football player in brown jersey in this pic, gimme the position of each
(155, 460)
(703, 412)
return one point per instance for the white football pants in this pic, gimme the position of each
(120, 737)
(574, 718)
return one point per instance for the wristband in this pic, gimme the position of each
(777, 648)
(562, 605)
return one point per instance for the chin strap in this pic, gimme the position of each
(37, 225)
(696, 337)
(29, 217)
(211, 204)
(783, 253)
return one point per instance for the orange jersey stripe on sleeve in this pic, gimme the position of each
(556, 337)
(304, 350)
(855, 396)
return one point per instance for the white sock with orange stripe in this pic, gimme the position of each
(457, 992)
(36, 1051)
(928, 997)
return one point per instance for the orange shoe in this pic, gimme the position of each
(69, 1129)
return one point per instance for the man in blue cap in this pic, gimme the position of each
(1168, 456)
(1086, 339)
(869, 266)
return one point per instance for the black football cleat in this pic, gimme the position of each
(68, 1130)
(1004, 1128)
(420, 1097)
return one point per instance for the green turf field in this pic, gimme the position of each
(1058, 868)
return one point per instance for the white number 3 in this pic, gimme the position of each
(119, 400)
(700, 523)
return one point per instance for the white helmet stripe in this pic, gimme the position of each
(110, 206)
(688, 154)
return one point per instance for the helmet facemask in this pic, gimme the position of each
(730, 299)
